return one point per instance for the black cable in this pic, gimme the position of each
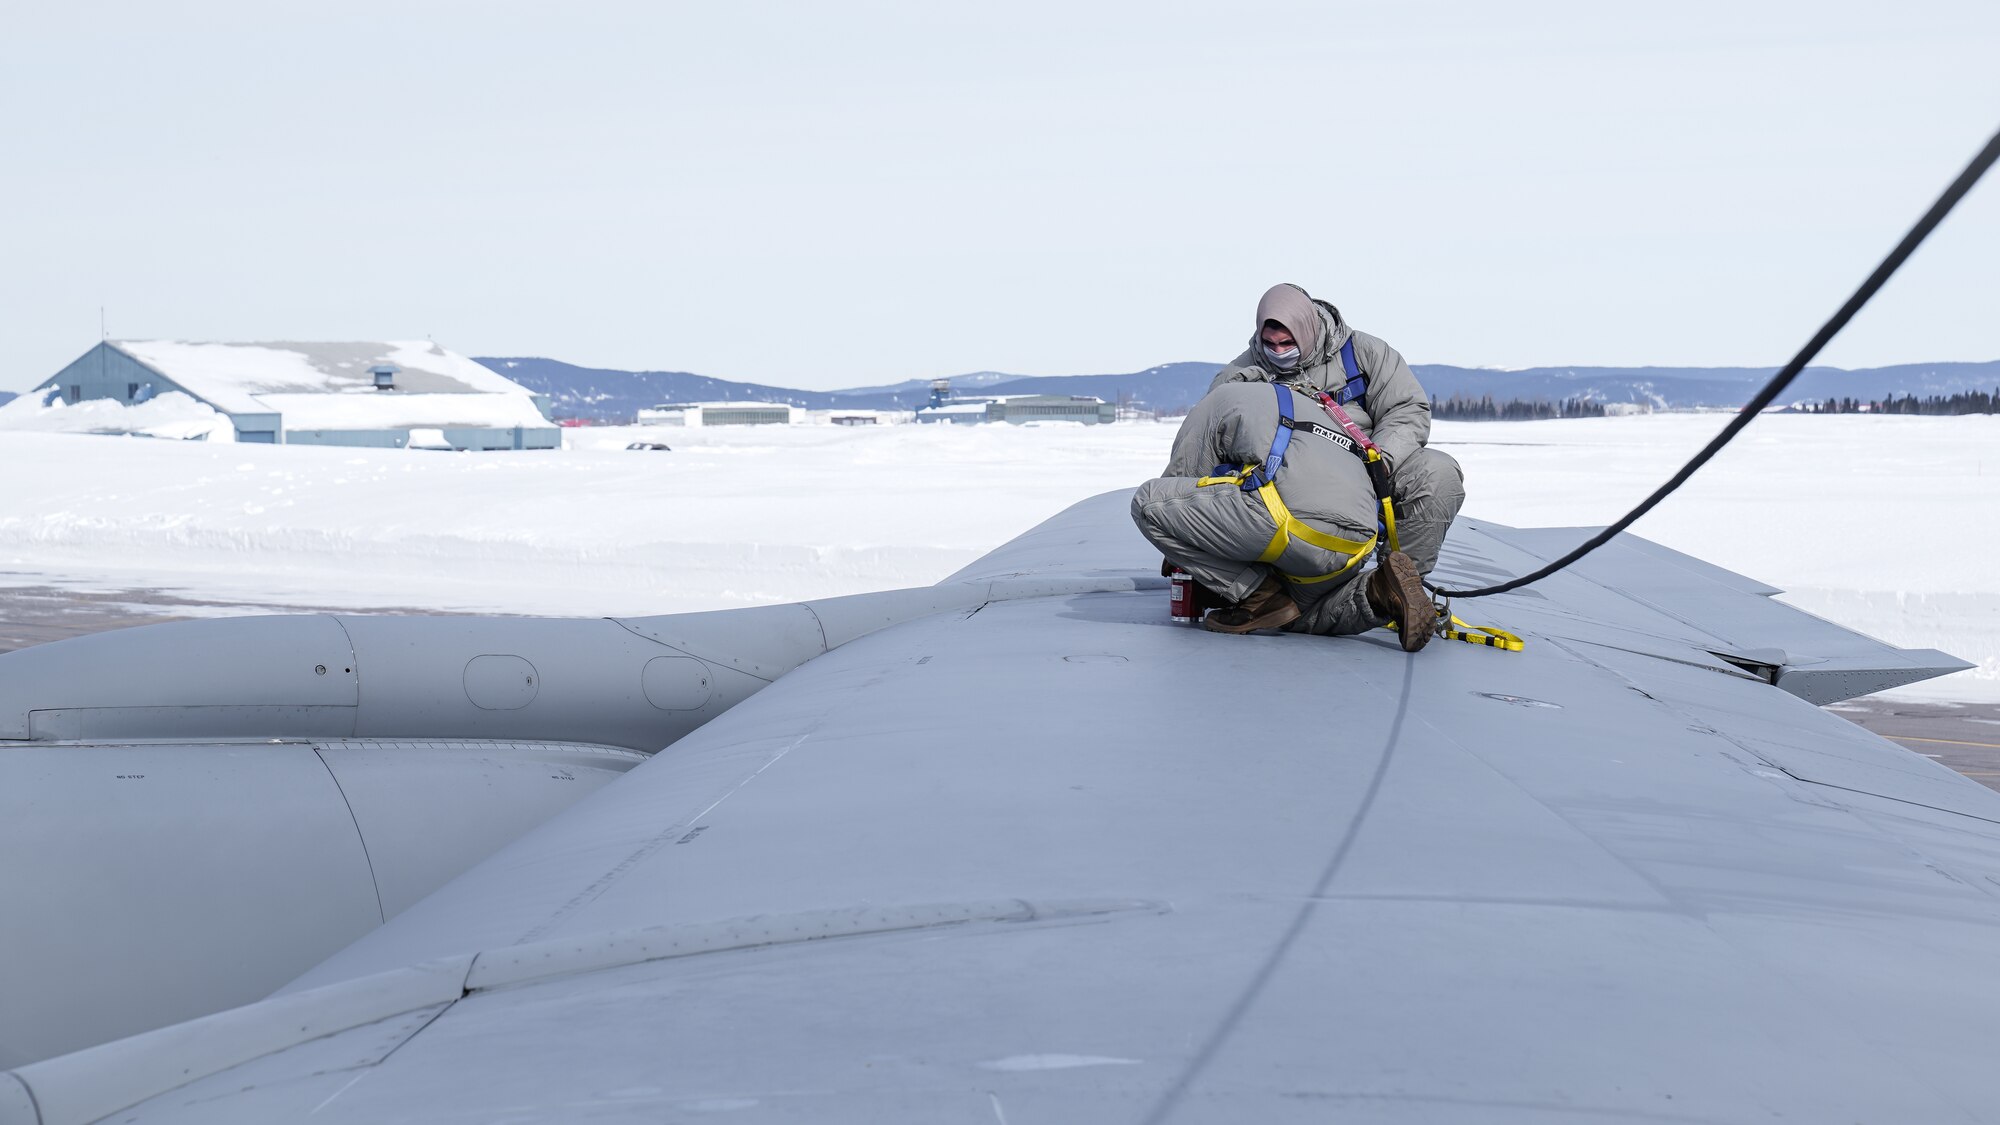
(1957, 191)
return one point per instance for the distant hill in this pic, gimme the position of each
(1179, 385)
(977, 380)
(602, 394)
(1920, 379)
(1686, 387)
(1170, 386)
(610, 395)
(7, 397)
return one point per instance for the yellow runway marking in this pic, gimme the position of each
(1940, 741)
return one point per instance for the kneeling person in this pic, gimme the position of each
(1278, 519)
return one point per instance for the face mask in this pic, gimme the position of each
(1284, 359)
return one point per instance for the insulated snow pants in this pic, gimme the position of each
(1429, 490)
(1217, 532)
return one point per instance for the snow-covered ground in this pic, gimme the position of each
(1886, 525)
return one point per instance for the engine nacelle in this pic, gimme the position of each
(588, 680)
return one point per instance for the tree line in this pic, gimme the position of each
(1964, 402)
(1465, 408)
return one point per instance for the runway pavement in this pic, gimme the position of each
(1964, 736)
(32, 615)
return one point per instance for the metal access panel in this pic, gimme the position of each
(428, 810)
(268, 676)
(150, 884)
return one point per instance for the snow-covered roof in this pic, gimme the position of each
(329, 386)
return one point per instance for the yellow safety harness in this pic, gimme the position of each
(1290, 527)
(1260, 477)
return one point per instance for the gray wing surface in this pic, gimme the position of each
(1058, 859)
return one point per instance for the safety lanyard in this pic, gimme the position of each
(1332, 404)
(1378, 465)
(1346, 423)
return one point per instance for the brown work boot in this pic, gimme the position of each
(1269, 606)
(1396, 591)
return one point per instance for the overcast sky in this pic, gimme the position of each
(835, 194)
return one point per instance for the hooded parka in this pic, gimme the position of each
(1428, 485)
(1395, 412)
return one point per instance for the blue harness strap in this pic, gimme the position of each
(1357, 379)
(1280, 441)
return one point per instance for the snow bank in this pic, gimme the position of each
(171, 415)
(1881, 524)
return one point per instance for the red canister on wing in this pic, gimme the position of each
(1181, 595)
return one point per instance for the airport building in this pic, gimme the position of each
(1018, 409)
(719, 414)
(850, 416)
(1088, 409)
(372, 393)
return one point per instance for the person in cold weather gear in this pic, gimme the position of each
(1305, 346)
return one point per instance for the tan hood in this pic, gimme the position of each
(1290, 306)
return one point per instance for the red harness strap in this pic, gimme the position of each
(1378, 470)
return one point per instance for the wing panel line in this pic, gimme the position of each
(373, 881)
(660, 840)
(1251, 992)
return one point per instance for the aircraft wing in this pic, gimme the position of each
(1059, 859)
